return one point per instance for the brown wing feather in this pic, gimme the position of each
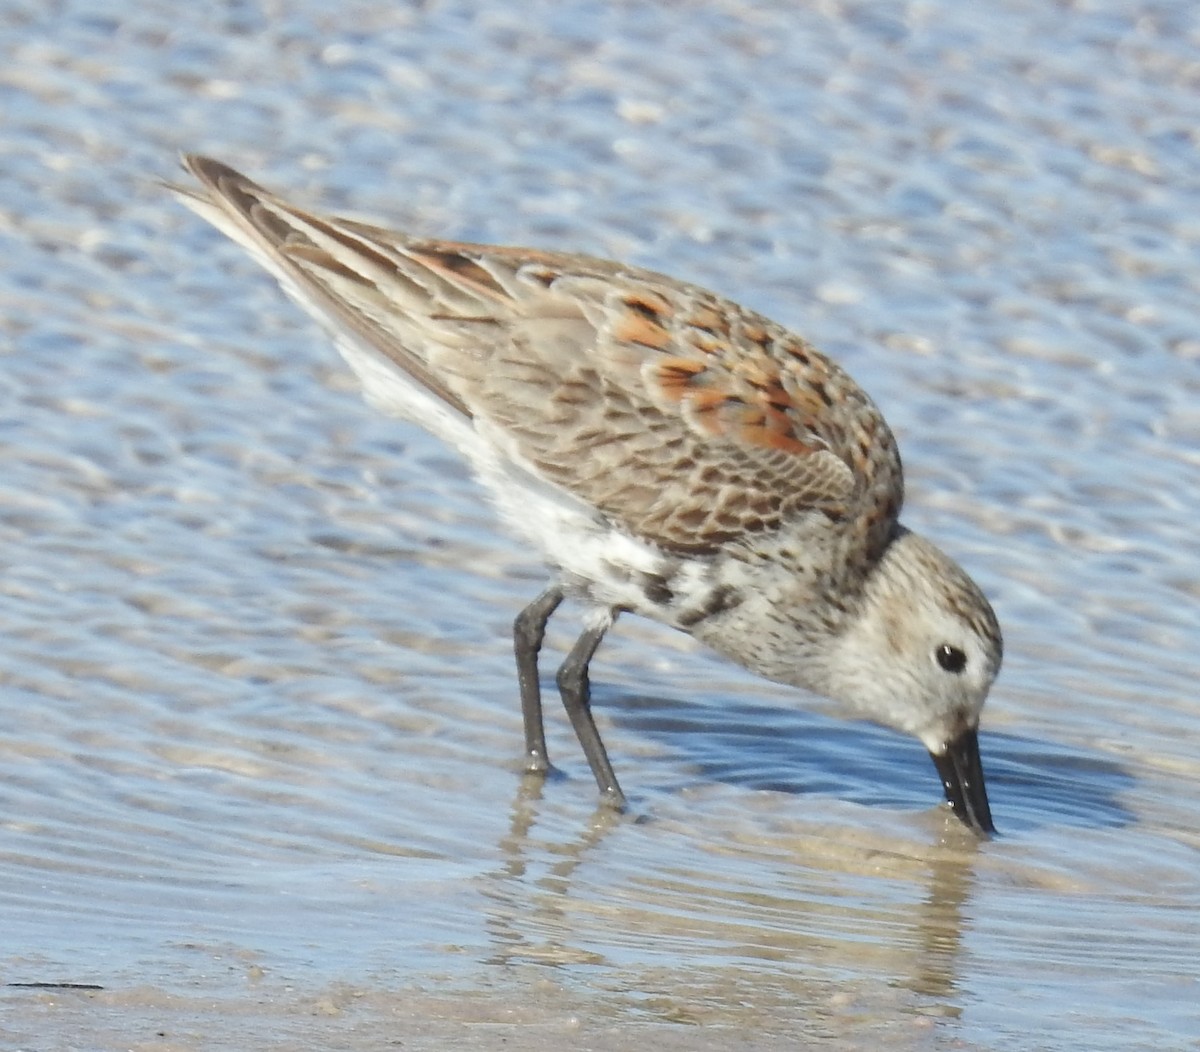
(344, 288)
(686, 418)
(678, 414)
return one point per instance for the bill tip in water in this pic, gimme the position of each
(961, 770)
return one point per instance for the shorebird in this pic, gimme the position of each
(667, 451)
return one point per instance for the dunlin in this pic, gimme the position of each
(668, 452)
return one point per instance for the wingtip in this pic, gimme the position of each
(219, 185)
(197, 166)
(206, 169)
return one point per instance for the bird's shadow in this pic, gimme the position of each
(1032, 783)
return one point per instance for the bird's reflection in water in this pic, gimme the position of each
(890, 916)
(940, 919)
(531, 889)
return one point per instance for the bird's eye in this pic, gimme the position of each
(951, 658)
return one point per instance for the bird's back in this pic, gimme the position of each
(681, 417)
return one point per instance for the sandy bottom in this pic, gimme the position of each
(540, 1014)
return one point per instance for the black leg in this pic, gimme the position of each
(529, 629)
(575, 689)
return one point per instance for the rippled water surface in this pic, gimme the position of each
(259, 754)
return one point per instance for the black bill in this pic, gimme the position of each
(962, 776)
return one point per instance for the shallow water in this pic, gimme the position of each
(258, 766)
